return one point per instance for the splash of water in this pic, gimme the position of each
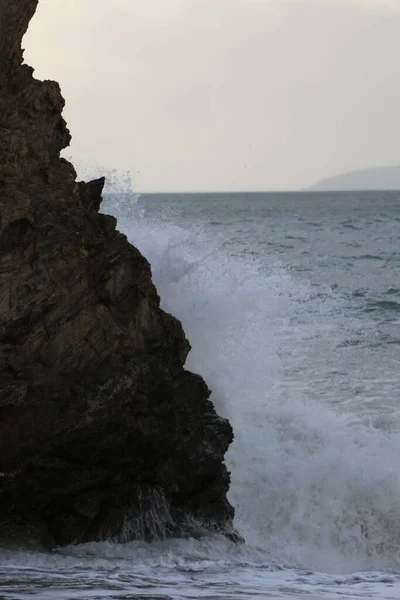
(313, 487)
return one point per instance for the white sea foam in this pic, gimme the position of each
(312, 485)
(315, 462)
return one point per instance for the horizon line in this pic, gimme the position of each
(215, 192)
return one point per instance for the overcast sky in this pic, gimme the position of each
(224, 94)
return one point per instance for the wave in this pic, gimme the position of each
(383, 304)
(313, 484)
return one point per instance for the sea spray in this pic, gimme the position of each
(312, 485)
(277, 307)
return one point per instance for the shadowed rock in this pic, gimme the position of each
(102, 431)
(90, 193)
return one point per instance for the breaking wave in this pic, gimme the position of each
(315, 483)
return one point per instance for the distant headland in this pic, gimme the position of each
(378, 178)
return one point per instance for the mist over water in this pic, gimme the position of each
(292, 306)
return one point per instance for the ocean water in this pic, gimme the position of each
(292, 306)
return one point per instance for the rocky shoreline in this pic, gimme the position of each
(103, 433)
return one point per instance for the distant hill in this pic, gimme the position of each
(379, 178)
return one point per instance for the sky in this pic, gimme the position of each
(213, 95)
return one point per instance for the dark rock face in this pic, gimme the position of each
(102, 431)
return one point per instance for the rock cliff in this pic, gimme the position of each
(102, 431)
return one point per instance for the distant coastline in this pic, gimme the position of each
(378, 178)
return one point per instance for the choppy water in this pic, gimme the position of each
(292, 305)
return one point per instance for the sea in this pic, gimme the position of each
(291, 302)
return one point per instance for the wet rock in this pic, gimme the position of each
(102, 430)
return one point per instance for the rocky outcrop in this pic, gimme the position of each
(102, 431)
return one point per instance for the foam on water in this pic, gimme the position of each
(210, 569)
(315, 469)
(314, 486)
